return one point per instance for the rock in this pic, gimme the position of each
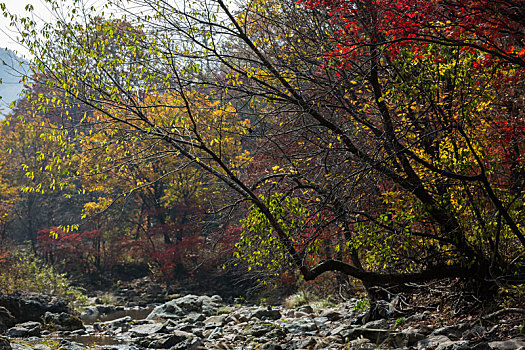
(307, 309)
(188, 344)
(17, 332)
(26, 329)
(266, 314)
(432, 341)
(376, 336)
(405, 338)
(452, 332)
(18, 346)
(270, 346)
(276, 333)
(473, 333)
(216, 333)
(144, 330)
(180, 307)
(40, 347)
(331, 315)
(7, 320)
(4, 344)
(454, 345)
(32, 307)
(362, 344)
(340, 330)
(63, 321)
(260, 329)
(196, 317)
(122, 323)
(511, 344)
(378, 324)
(215, 321)
(307, 343)
(322, 322)
(302, 325)
(69, 345)
(167, 341)
(216, 299)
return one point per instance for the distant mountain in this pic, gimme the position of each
(12, 68)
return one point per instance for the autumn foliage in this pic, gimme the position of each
(380, 139)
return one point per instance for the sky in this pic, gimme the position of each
(7, 36)
(41, 13)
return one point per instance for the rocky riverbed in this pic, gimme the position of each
(206, 322)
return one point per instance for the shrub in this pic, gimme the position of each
(22, 271)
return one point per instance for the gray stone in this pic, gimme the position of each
(452, 332)
(362, 344)
(63, 321)
(18, 346)
(307, 309)
(340, 329)
(180, 307)
(511, 344)
(216, 333)
(167, 341)
(34, 329)
(266, 314)
(454, 345)
(307, 343)
(7, 320)
(32, 307)
(331, 315)
(405, 338)
(122, 323)
(188, 344)
(216, 299)
(4, 344)
(301, 326)
(475, 332)
(17, 332)
(271, 346)
(375, 335)
(215, 321)
(378, 324)
(144, 330)
(196, 317)
(432, 341)
(277, 332)
(260, 329)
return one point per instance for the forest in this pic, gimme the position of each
(369, 147)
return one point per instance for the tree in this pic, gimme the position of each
(365, 129)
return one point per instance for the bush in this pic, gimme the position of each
(22, 271)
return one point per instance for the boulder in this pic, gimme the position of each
(144, 330)
(183, 306)
(376, 335)
(24, 330)
(123, 323)
(32, 307)
(7, 320)
(166, 341)
(266, 314)
(63, 321)
(302, 325)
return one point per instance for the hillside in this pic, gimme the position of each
(10, 74)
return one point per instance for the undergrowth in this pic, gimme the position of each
(22, 271)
